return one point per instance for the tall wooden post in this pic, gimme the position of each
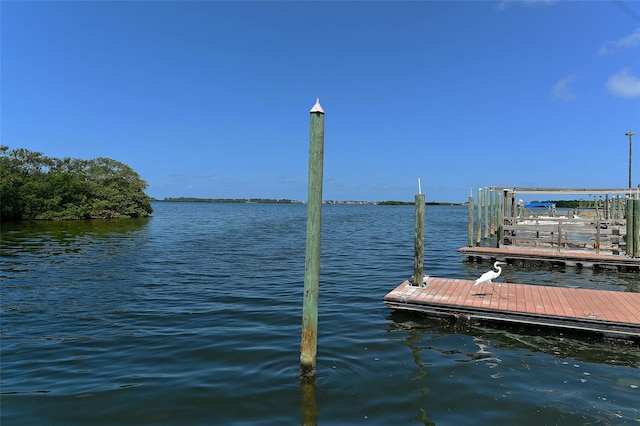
(494, 211)
(309, 339)
(486, 212)
(470, 225)
(618, 207)
(630, 231)
(479, 221)
(418, 250)
(499, 216)
(636, 228)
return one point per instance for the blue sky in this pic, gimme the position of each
(212, 99)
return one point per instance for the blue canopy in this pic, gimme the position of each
(533, 205)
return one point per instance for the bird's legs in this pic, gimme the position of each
(481, 293)
(493, 290)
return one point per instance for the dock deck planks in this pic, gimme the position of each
(609, 312)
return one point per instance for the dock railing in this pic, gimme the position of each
(609, 225)
(564, 233)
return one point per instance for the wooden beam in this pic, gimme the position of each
(538, 190)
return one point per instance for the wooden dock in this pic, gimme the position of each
(612, 313)
(583, 259)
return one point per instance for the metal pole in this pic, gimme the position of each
(309, 339)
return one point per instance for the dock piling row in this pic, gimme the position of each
(607, 224)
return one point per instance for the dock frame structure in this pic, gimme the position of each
(604, 233)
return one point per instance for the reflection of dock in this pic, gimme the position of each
(609, 312)
(568, 258)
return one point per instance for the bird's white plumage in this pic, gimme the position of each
(490, 275)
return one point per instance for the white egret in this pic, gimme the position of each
(488, 276)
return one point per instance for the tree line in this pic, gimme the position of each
(34, 186)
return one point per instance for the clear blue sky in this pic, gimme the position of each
(212, 99)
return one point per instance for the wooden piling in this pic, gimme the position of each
(597, 235)
(619, 205)
(630, 231)
(493, 213)
(418, 251)
(486, 212)
(470, 223)
(479, 221)
(309, 338)
(636, 228)
(499, 216)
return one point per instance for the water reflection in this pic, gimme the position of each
(61, 241)
(63, 231)
(469, 374)
(308, 405)
(584, 347)
(545, 274)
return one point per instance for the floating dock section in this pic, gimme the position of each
(599, 234)
(581, 259)
(611, 313)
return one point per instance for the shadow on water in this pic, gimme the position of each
(63, 230)
(584, 347)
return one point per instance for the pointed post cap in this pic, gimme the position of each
(317, 107)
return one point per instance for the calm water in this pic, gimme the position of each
(193, 317)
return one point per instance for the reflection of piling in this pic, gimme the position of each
(308, 343)
(308, 405)
(418, 251)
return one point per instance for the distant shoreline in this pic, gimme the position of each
(287, 201)
(561, 204)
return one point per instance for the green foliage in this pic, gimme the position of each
(395, 203)
(33, 186)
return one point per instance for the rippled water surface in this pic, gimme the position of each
(194, 317)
